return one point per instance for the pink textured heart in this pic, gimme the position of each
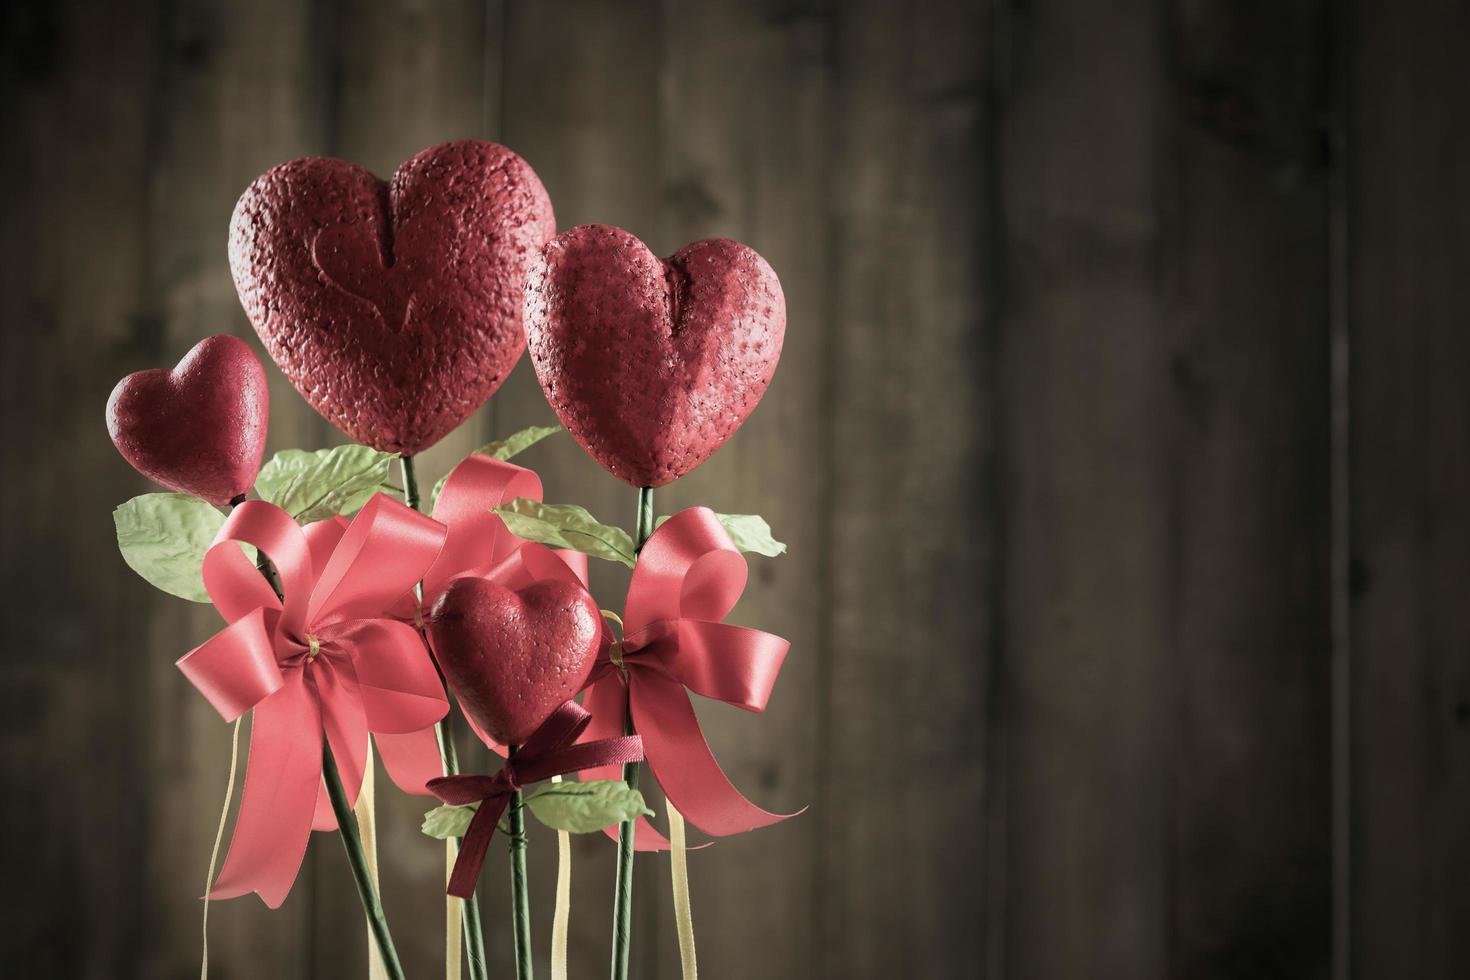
(199, 428)
(394, 308)
(512, 657)
(652, 364)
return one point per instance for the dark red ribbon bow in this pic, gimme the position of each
(550, 751)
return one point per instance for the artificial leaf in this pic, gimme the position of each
(163, 537)
(586, 807)
(516, 442)
(511, 445)
(566, 526)
(313, 486)
(449, 821)
(750, 532)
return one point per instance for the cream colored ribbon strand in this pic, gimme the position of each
(453, 910)
(563, 902)
(219, 835)
(683, 917)
(367, 827)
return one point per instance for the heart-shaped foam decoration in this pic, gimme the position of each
(394, 308)
(512, 657)
(652, 364)
(199, 428)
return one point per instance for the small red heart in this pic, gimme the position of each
(651, 364)
(513, 656)
(394, 308)
(199, 428)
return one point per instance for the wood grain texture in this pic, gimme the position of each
(910, 538)
(1051, 445)
(1085, 571)
(1410, 478)
(75, 696)
(1247, 452)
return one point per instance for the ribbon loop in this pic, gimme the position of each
(688, 569)
(379, 559)
(235, 669)
(476, 535)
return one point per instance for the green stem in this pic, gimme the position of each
(474, 935)
(520, 895)
(623, 893)
(410, 482)
(347, 825)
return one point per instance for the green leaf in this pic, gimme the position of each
(312, 486)
(516, 442)
(750, 532)
(584, 808)
(511, 445)
(163, 537)
(449, 821)
(566, 526)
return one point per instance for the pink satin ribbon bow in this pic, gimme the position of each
(552, 750)
(323, 662)
(688, 577)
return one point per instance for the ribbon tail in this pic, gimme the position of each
(453, 910)
(219, 836)
(683, 914)
(607, 701)
(563, 916)
(345, 723)
(474, 846)
(282, 774)
(682, 762)
(411, 760)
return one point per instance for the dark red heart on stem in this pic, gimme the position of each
(394, 308)
(199, 428)
(652, 364)
(512, 657)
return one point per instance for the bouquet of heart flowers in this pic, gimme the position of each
(357, 614)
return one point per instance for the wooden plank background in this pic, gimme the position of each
(1120, 441)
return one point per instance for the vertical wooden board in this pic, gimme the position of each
(405, 77)
(746, 101)
(235, 91)
(75, 83)
(1245, 287)
(580, 90)
(1085, 568)
(1410, 478)
(911, 610)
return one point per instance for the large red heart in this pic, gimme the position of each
(652, 364)
(394, 308)
(512, 657)
(199, 428)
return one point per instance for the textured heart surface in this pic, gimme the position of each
(512, 657)
(394, 308)
(650, 363)
(199, 428)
